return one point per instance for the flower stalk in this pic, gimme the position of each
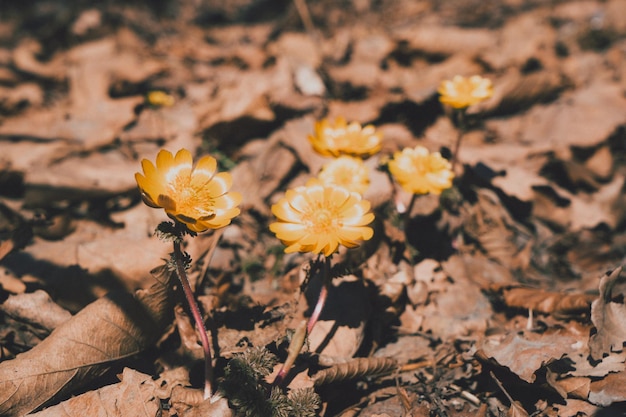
(197, 318)
(461, 132)
(306, 327)
(321, 299)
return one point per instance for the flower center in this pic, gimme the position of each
(344, 176)
(421, 165)
(192, 201)
(322, 221)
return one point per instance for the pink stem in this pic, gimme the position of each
(197, 317)
(297, 342)
(321, 300)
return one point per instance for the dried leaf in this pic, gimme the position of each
(573, 121)
(609, 317)
(36, 309)
(525, 354)
(575, 387)
(112, 328)
(609, 390)
(357, 368)
(134, 396)
(609, 364)
(547, 302)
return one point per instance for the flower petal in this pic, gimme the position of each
(228, 200)
(220, 184)
(288, 231)
(203, 173)
(164, 160)
(285, 212)
(183, 157)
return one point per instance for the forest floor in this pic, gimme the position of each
(501, 297)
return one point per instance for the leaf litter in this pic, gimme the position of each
(506, 300)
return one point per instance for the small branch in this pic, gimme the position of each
(197, 317)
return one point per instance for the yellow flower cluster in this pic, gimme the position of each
(196, 196)
(420, 172)
(329, 210)
(319, 217)
(462, 92)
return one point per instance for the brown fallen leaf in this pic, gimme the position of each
(133, 396)
(609, 317)
(114, 327)
(572, 387)
(547, 302)
(35, 309)
(611, 389)
(524, 354)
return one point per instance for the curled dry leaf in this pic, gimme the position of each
(134, 396)
(569, 387)
(547, 302)
(112, 328)
(609, 317)
(357, 368)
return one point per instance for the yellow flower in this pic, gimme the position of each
(158, 98)
(318, 218)
(345, 139)
(462, 92)
(347, 172)
(421, 172)
(197, 195)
